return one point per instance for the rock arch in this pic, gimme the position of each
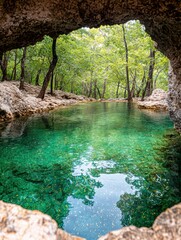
(24, 22)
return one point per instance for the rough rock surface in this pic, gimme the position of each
(167, 226)
(157, 101)
(174, 99)
(17, 223)
(15, 103)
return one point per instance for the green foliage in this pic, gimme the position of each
(92, 61)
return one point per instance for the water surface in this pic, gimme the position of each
(93, 167)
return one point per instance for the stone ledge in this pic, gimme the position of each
(157, 101)
(18, 223)
(167, 226)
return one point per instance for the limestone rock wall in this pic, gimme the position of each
(175, 99)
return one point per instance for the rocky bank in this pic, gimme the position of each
(15, 103)
(157, 101)
(18, 223)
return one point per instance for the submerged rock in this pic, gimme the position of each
(157, 101)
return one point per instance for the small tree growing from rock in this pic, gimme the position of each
(50, 70)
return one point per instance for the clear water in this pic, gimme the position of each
(93, 167)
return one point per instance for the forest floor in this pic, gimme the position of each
(16, 103)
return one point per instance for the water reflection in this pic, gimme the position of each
(92, 221)
(93, 168)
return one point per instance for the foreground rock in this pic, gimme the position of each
(18, 223)
(167, 226)
(157, 101)
(15, 103)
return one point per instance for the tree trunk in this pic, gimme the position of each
(133, 86)
(149, 88)
(155, 80)
(125, 92)
(37, 78)
(22, 77)
(99, 93)
(149, 83)
(150, 74)
(72, 86)
(104, 88)
(50, 70)
(95, 89)
(61, 83)
(4, 64)
(141, 87)
(127, 66)
(56, 82)
(90, 85)
(117, 90)
(13, 75)
(51, 85)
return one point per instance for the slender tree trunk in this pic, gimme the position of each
(117, 89)
(83, 92)
(4, 64)
(51, 85)
(50, 70)
(150, 75)
(133, 86)
(56, 82)
(90, 89)
(125, 92)
(99, 93)
(155, 80)
(141, 87)
(61, 83)
(149, 87)
(104, 88)
(127, 66)
(13, 74)
(95, 89)
(71, 87)
(90, 86)
(149, 83)
(37, 78)
(22, 77)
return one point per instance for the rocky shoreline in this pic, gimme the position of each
(15, 103)
(158, 101)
